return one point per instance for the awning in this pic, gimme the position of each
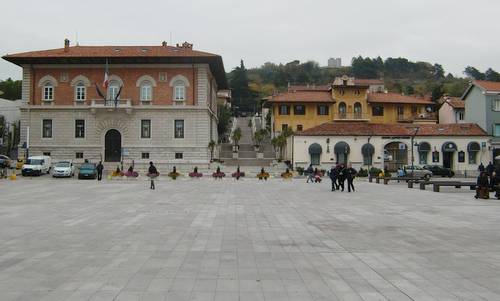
(368, 149)
(315, 149)
(424, 147)
(473, 147)
(449, 147)
(341, 148)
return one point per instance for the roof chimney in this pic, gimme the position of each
(164, 43)
(66, 45)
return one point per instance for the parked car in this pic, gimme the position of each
(417, 172)
(36, 166)
(63, 169)
(438, 170)
(87, 171)
(5, 162)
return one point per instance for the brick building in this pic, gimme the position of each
(160, 103)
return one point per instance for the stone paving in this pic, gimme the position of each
(247, 240)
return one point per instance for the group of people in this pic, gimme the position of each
(339, 174)
(488, 181)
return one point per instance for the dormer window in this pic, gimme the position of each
(48, 91)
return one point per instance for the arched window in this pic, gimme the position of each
(179, 90)
(358, 111)
(342, 110)
(113, 89)
(146, 91)
(48, 91)
(80, 91)
(423, 152)
(473, 149)
(342, 150)
(368, 150)
(315, 151)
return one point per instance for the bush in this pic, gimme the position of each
(374, 172)
(300, 170)
(362, 173)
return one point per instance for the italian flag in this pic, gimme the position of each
(105, 83)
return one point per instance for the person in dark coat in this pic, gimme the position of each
(152, 174)
(350, 174)
(342, 176)
(490, 169)
(310, 174)
(495, 183)
(99, 169)
(483, 186)
(334, 174)
(480, 168)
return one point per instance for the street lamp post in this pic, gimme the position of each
(412, 153)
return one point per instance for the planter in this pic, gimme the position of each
(260, 155)
(256, 148)
(235, 148)
(235, 155)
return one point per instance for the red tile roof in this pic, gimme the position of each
(113, 51)
(309, 88)
(379, 129)
(369, 82)
(455, 102)
(124, 54)
(397, 98)
(487, 85)
(303, 96)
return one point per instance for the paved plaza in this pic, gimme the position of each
(248, 240)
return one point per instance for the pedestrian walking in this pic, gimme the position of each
(350, 175)
(99, 169)
(152, 174)
(334, 174)
(310, 174)
(342, 177)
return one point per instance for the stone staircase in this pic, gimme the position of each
(247, 156)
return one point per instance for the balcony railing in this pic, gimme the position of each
(120, 103)
(351, 116)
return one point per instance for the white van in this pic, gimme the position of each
(36, 166)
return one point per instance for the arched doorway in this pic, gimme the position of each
(342, 150)
(395, 155)
(449, 149)
(112, 146)
(315, 151)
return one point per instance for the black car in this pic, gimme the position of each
(438, 170)
(87, 171)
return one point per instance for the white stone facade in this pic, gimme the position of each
(298, 150)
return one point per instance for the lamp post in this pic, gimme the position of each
(412, 153)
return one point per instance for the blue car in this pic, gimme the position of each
(87, 171)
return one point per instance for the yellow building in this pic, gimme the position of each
(300, 109)
(346, 100)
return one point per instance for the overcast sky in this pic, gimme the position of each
(455, 33)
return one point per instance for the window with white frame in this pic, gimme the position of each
(80, 92)
(146, 91)
(113, 89)
(496, 105)
(48, 91)
(461, 115)
(179, 90)
(496, 130)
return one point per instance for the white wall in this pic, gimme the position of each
(301, 145)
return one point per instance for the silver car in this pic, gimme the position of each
(417, 172)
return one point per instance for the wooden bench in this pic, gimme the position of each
(406, 179)
(437, 185)
(415, 181)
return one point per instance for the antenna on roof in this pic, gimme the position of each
(76, 38)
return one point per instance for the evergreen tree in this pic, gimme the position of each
(243, 97)
(492, 75)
